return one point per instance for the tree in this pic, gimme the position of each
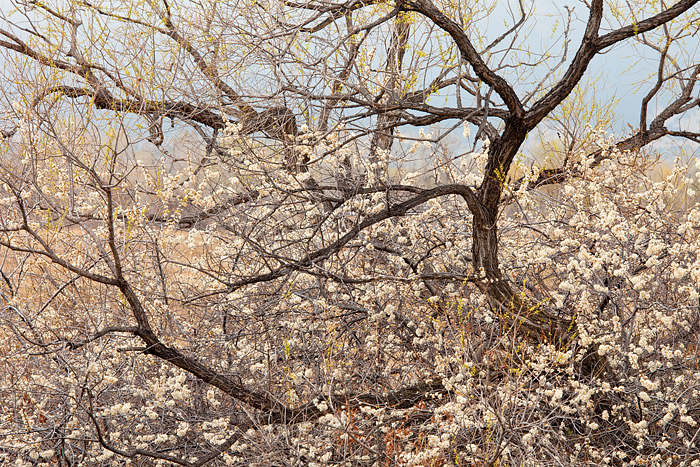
(238, 233)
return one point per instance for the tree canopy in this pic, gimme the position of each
(347, 233)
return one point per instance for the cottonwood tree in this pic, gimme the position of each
(315, 233)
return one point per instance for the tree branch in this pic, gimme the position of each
(469, 53)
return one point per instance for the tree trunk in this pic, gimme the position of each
(514, 310)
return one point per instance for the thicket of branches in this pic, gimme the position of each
(319, 233)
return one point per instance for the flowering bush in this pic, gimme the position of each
(305, 280)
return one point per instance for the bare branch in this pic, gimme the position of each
(469, 53)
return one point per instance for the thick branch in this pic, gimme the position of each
(392, 211)
(591, 44)
(587, 50)
(645, 25)
(469, 53)
(181, 110)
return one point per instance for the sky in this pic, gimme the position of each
(619, 70)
